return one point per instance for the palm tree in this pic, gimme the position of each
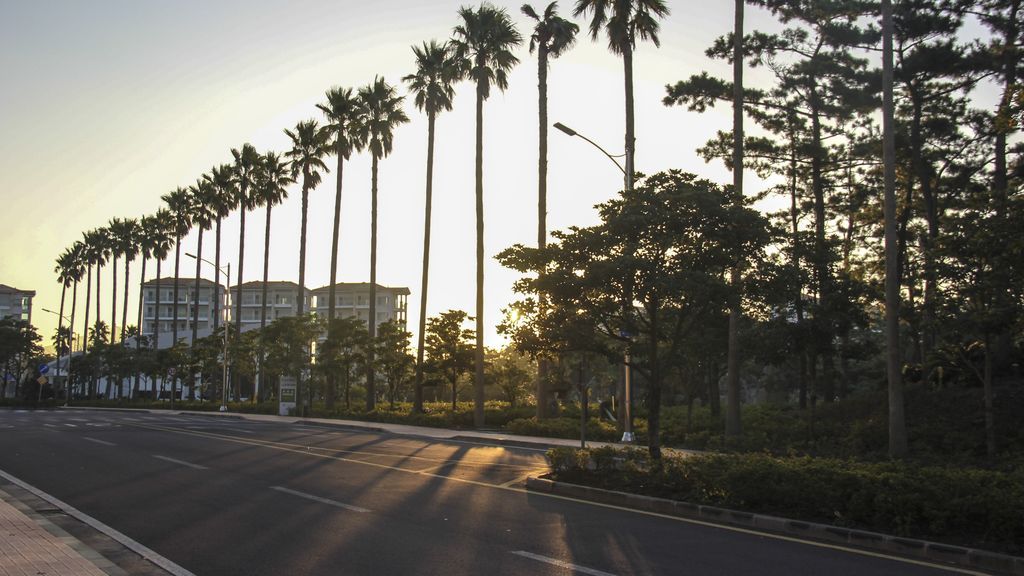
(146, 240)
(244, 172)
(94, 251)
(77, 270)
(123, 242)
(224, 200)
(432, 86)
(163, 231)
(483, 43)
(271, 189)
(380, 112)
(309, 146)
(623, 21)
(179, 204)
(341, 111)
(552, 36)
(202, 199)
(67, 273)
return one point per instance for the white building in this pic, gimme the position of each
(158, 314)
(16, 303)
(353, 299)
(281, 302)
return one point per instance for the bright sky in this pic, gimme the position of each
(108, 104)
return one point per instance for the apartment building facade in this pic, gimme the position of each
(16, 303)
(158, 309)
(281, 302)
(353, 299)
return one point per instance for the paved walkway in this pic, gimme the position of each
(36, 547)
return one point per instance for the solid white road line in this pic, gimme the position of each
(125, 541)
(98, 441)
(319, 499)
(561, 563)
(72, 425)
(182, 462)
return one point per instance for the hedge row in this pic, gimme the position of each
(973, 507)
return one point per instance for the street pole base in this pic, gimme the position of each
(628, 437)
(223, 408)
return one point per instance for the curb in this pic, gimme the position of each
(503, 442)
(907, 547)
(354, 427)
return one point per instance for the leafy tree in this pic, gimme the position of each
(669, 242)
(287, 346)
(511, 372)
(392, 357)
(450, 349)
(343, 353)
(483, 42)
(19, 345)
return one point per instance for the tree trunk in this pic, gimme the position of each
(263, 304)
(99, 297)
(238, 285)
(156, 329)
(174, 313)
(417, 406)
(300, 298)
(897, 424)
(138, 338)
(113, 298)
(331, 292)
(371, 380)
(71, 328)
(216, 284)
(542, 207)
(990, 423)
(124, 305)
(60, 337)
(732, 413)
(478, 376)
(195, 306)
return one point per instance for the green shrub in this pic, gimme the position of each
(974, 507)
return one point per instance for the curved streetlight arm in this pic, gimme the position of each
(572, 132)
(221, 268)
(63, 317)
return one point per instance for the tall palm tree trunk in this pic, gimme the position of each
(195, 295)
(238, 287)
(195, 302)
(92, 381)
(216, 284)
(174, 314)
(113, 298)
(138, 337)
(732, 410)
(478, 380)
(630, 151)
(331, 377)
(71, 344)
(263, 303)
(371, 387)
(542, 207)
(156, 329)
(418, 398)
(85, 325)
(300, 298)
(124, 304)
(60, 324)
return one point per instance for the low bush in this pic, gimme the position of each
(973, 507)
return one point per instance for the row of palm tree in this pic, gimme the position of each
(480, 50)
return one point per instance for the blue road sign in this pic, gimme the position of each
(44, 368)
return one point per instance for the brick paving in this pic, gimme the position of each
(28, 549)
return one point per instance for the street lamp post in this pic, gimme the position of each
(627, 402)
(224, 355)
(71, 339)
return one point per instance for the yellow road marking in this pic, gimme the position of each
(303, 450)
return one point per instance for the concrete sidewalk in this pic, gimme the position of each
(34, 546)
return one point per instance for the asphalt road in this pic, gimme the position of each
(235, 497)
